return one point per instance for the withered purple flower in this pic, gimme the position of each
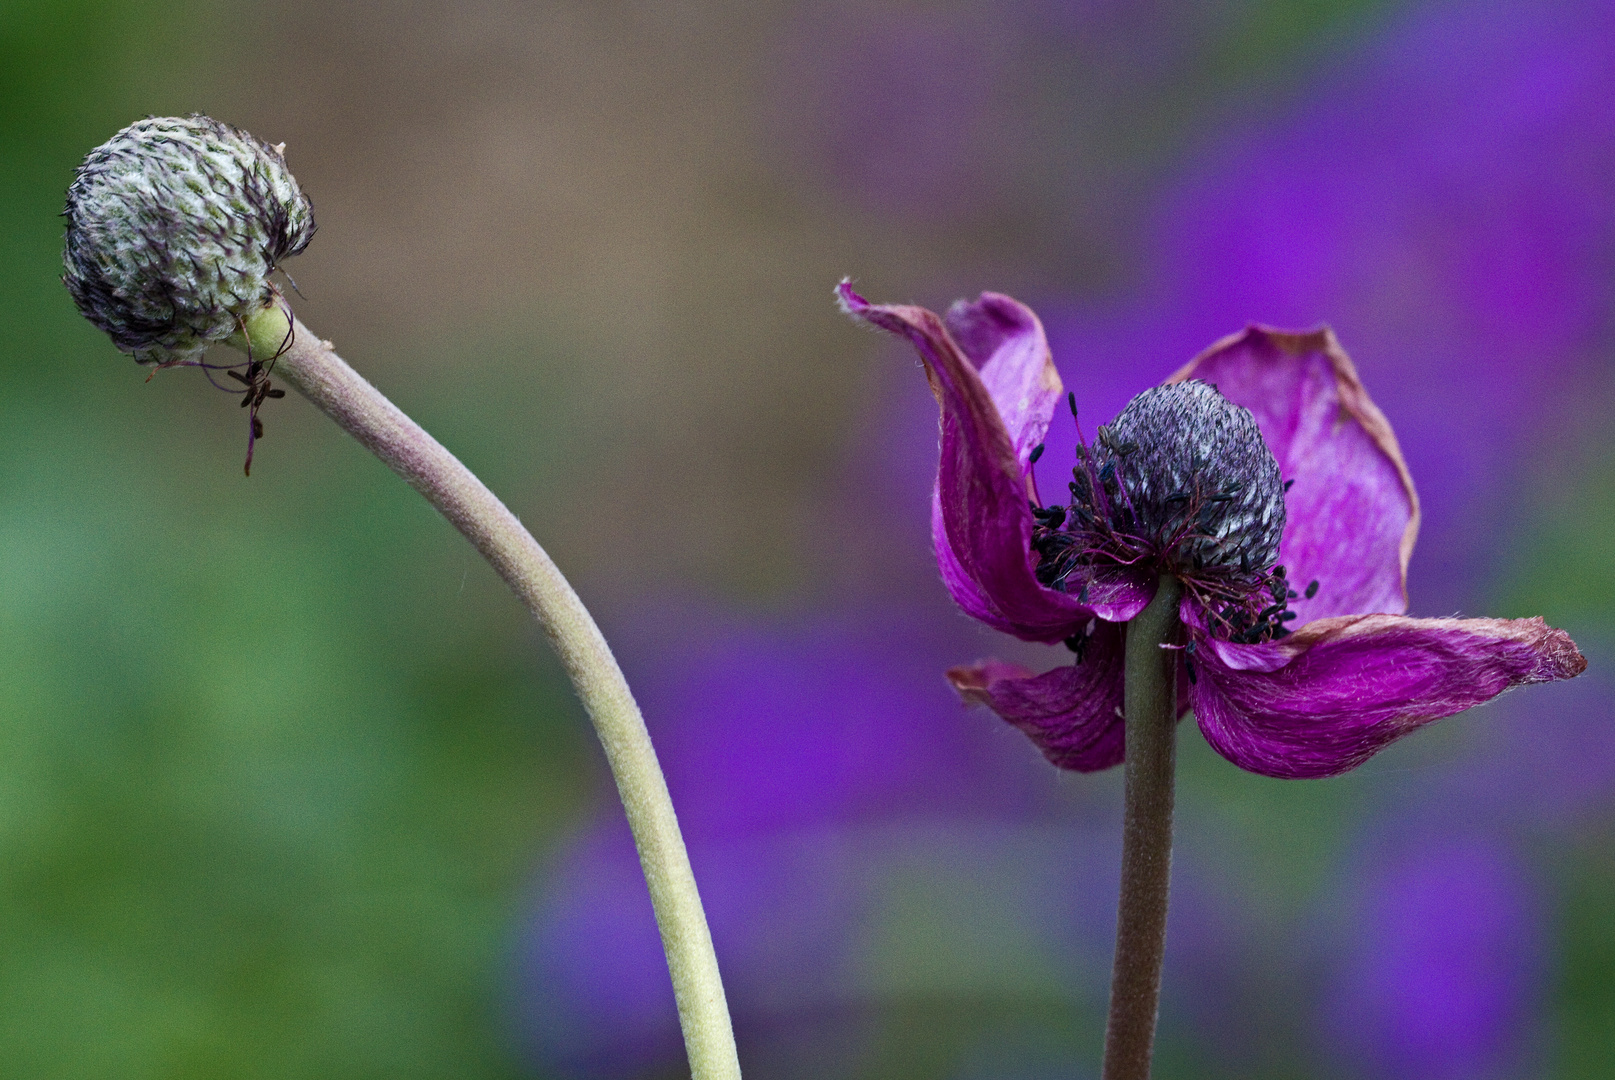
(1263, 477)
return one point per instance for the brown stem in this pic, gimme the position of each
(1151, 696)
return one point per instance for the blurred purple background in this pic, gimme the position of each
(1439, 189)
(592, 246)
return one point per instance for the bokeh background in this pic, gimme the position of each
(289, 787)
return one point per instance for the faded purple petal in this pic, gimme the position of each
(1072, 713)
(961, 586)
(1005, 341)
(984, 474)
(1352, 514)
(1355, 684)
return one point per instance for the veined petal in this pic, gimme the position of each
(961, 586)
(1339, 690)
(991, 420)
(1005, 341)
(1072, 713)
(1352, 514)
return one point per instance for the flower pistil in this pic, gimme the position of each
(1181, 483)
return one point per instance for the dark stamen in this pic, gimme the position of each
(1312, 590)
(1049, 517)
(1037, 452)
(1180, 482)
(1078, 644)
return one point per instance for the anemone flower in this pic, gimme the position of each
(1263, 448)
(1264, 480)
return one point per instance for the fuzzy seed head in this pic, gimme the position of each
(1194, 464)
(173, 227)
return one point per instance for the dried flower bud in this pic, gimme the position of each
(173, 227)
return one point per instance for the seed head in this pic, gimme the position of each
(173, 227)
(1182, 483)
(1193, 464)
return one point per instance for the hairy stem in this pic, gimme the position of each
(1152, 718)
(360, 409)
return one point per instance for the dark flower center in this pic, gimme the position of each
(1180, 483)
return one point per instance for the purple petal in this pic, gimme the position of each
(1005, 342)
(961, 586)
(1353, 685)
(991, 420)
(1352, 513)
(1072, 713)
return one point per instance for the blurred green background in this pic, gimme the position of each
(281, 763)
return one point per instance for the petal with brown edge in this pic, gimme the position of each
(1352, 515)
(1355, 684)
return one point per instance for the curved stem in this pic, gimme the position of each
(1152, 717)
(360, 409)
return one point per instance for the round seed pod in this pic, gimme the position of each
(173, 227)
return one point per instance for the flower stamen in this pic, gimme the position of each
(1180, 483)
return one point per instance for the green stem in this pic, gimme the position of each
(1151, 696)
(360, 409)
